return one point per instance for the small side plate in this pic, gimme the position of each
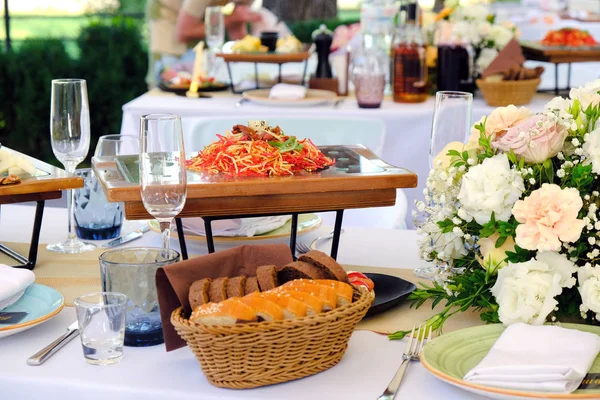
(389, 291)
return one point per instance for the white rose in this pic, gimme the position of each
(526, 292)
(589, 288)
(501, 36)
(449, 244)
(591, 147)
(587, 94)
(485, 59)
(491, 187)
(484, 28)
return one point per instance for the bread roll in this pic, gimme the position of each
(228, 312)
(331, 269)
(198, 294)
(314, 305)
(343, 290)
(265, 309)
(292, 308)
(326, 293)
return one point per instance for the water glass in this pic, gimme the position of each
(132, 271)
(70, 139)
(101, 318)
(95, 217)
(163, 179)
(368, 76)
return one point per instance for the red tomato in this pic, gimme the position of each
(363, 282)
(355, 274)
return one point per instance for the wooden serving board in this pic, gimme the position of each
(47, 184)
(358, 180)
(558, 54)
(266, 58)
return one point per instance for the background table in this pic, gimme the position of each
(150, 373)
(406, 127)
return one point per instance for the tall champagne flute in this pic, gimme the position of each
(162, 169)
(70, 138)
(451, 123)
(214, 29)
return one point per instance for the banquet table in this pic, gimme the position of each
(406, 133)
(150, 373)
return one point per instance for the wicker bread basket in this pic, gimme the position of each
(504, 93)
(263, 353)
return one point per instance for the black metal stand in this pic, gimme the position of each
(29, 263)
(210, 243)
(556, 89)
(256, 80)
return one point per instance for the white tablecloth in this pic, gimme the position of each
(405, 137)
(152, 374)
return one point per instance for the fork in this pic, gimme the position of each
(303, 248)
(413, 348)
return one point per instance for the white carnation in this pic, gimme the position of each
(475, 12)
(485, 59)
(589, 288)
(591, 147)
(526, 292)
(467, 31)
(501, 36)
(491, 187)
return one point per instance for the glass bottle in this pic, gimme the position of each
(409, 60)
(454, 62)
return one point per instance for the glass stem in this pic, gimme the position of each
(165, 229)
(71, 236)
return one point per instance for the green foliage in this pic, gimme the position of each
(112, 61)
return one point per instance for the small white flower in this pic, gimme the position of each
(589, 288)
(457, 231)
(586, 197)
(532, 181)
(560, 173)
(592, 240)
(560, 156)
(575, 142)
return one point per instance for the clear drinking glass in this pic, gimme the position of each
(451, 123)
(368, 76)
(131, 271)
(214, 27)
(70, 138)
(162, 169)
(117, 145)
(101, 318)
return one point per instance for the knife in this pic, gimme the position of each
(47, 352)
(128, 238)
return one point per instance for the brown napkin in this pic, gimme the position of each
(509, 56)
(173, 281)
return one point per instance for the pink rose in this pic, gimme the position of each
(499, 121)
(535, 139)
(548, 216)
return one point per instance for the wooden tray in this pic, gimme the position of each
(559, 54)
(266, 58)
(359, 179)
(46, 184)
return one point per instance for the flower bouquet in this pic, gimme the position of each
(514, 213)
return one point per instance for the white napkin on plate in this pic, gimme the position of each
(247, 227)
(13, 283)
(287, 91)
(537, 358)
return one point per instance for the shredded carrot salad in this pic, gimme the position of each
(259, 152)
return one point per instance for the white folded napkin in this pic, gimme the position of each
(537, 358)
(13, 283)
(287, 91)
(247, 227)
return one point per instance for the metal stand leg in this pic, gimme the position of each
(337, 230)
(293, 234)
(556, 79)
(569, 76)
(304, 72)
(231, 80)
(210, 243)
(279, 78)
(35, 240)
(256, 75)
(181, 236)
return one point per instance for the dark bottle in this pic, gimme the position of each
(323, 39)
(454, 62)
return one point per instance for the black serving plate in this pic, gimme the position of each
(389, 291)
(181, 91)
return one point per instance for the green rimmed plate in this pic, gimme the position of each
(306, 223)
(449, 357)
(40, 302)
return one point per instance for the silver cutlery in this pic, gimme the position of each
(127, 238)
(413, 348)
(47, 352)
(241, 102)
(302, 248)
(338, 103)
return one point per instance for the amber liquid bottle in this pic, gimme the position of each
(410, 67)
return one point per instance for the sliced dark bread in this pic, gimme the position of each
(198, 294)
(267, 277)
(299, 270)
(218, 290)
(236, 286)
(328, 265)
(251, 285)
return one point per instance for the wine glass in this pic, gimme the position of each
(162, 169)
(70, 138)
(451, 123)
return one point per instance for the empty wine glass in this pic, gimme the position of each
(214, 27)
(162, 169)
(70, 138)
(451, 123)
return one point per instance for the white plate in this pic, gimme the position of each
(313, 97)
